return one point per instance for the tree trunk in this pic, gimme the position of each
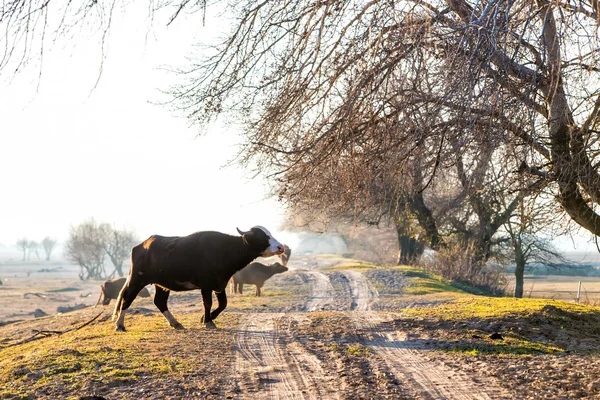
(409, 248)
(119, 269)
(565, 139)
(426, 220)
(118, 265)
(519, 271)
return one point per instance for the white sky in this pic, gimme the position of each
(70, 152)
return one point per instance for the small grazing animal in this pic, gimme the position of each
(110, 290)
(255, 274)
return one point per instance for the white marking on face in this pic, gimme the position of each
(275, 248)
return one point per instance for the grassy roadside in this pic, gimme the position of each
(453, 320)
(466, 324)
(97, 360)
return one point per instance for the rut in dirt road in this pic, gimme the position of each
(360, 291)
(408, 362)
(269, 368)
(405, 359)
(321, 291)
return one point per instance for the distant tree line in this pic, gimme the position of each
(91, 243)
(31, 246)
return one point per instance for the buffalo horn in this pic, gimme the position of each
(243, 233)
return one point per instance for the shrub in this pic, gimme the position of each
(463, 265)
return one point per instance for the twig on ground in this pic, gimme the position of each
(39, 334)
(43, 296)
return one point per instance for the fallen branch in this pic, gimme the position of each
(40, 334)
(43, 296)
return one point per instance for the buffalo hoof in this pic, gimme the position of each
(120, 329)
(178, 326)
(210, 325)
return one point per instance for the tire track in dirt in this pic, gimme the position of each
(426, 379)
(360, 290)
(321, 291)
(269, 368)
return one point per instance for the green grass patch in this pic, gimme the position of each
(352, 265)
(509, 346)
(357, 349)
(269, 298)
(469, 307)
(422, 282)
(527, 326)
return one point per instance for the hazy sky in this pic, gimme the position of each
(71, 151)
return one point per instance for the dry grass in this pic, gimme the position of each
(559, 287)
(150, 357)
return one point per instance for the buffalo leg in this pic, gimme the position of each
(160, 301)
(126, 296)
(102, 295)
(222, 298)
(207, 300)
(241, 288)
(257, 290)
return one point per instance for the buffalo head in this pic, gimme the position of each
(260, 238)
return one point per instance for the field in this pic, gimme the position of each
(560, 287)
(330, 328)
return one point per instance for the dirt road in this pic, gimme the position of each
(270, 367)
(272, 364)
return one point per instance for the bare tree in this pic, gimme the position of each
(314, 82)
(31, 27)
(34, 247)
(48, 245)
(117, 245)
(85, 247)
(529, 231)
(23, 244)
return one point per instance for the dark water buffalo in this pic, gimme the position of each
(110, 290)
(203, 260)
(255, 274)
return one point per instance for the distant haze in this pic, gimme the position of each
(72, 150)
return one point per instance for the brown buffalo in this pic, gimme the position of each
(110, 290)
(255, 274)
